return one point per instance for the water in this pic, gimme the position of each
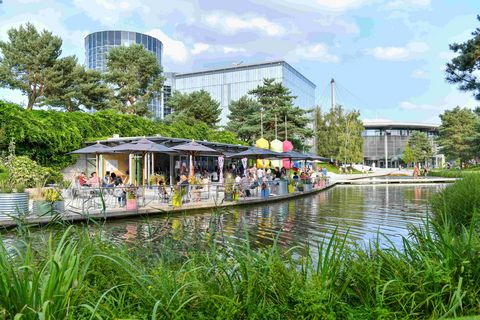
(362, 211)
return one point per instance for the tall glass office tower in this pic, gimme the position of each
(97, 45)
(231, 83)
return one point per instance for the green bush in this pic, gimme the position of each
(458, 201)
(47, 136)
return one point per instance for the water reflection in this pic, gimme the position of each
(359, 210)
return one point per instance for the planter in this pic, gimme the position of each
(228, 197)
(43, 207)
(282, 187)
(131, 204)
(307, 187)
(13, 204)
(291, 189)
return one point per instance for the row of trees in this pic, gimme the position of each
(339, 134)
(31, 62)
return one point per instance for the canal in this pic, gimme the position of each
(362, 211)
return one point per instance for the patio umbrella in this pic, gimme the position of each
(193, 148)
(142, 146)
(96, 149)
(256, 153)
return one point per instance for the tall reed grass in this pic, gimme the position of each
(168, 272)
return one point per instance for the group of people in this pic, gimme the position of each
(417, 172)
(113, 182)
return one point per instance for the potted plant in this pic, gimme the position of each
(131, 198)
(47, 201)
(13, 198)
(178, 193)
(300, 186)
(229, 182)
(282, 186)
(291, 186)
(307, 185)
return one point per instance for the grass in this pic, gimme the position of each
(335, 169)
(169, 272)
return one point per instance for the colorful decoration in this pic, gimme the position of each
(287, 146)
(277, 146)
(262, 143)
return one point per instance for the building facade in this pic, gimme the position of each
(97, 45)
(229, 84)
(384, 142)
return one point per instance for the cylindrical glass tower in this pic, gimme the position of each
(97, 45)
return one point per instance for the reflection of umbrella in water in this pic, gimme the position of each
(193, 148)
(142, 146)
(96, 149)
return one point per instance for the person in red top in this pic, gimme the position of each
(82, 179)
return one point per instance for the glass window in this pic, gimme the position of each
(111, 38)
(145, 41)
(118, 38)
(150, 47)
(138, 38)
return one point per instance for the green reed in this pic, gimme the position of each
(170, 272)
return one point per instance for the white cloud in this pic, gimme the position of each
(419, 74)
(173, 49)
(109, 12)
(228, 50)
(411, 50)
(318, 52)
(341, 5)
(337, 25)
(199, 48)
(232, 24)
(407, 4)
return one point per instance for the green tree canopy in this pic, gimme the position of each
(28, 60)
(461, 70)
(48, 136)
(244, 111)
(339, 134)
(419, 146)
(74, 86)
(275, 102)
(198, 105)
(456, 133)
(408, 156)
(135, 77)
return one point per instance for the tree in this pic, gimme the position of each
(135, 76)
(456, 133)
(198, 105)
(339, 135)
(461, 70)
(244, 119)
(408, 156)
(275, 102)
(74, 86)
(28, 60)
(420, 147)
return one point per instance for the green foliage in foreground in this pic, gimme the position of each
(165, 272)
(458, 202)
(47, 136)
(452, 173)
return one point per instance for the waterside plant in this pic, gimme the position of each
(169, 272)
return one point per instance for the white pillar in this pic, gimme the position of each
(386, 150)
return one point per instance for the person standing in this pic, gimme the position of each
(416, 171)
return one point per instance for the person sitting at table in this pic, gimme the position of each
(82, 180)
(94, 181)
(106, 179)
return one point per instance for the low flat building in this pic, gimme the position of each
(384, 142)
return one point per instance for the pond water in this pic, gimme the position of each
(362, 211)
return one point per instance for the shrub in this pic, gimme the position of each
(458, 201)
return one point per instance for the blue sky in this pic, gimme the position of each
(387, 56)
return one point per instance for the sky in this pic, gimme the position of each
(387, 56)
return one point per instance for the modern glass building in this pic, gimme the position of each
(231, 83)
(97, 44)
(384, 142)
